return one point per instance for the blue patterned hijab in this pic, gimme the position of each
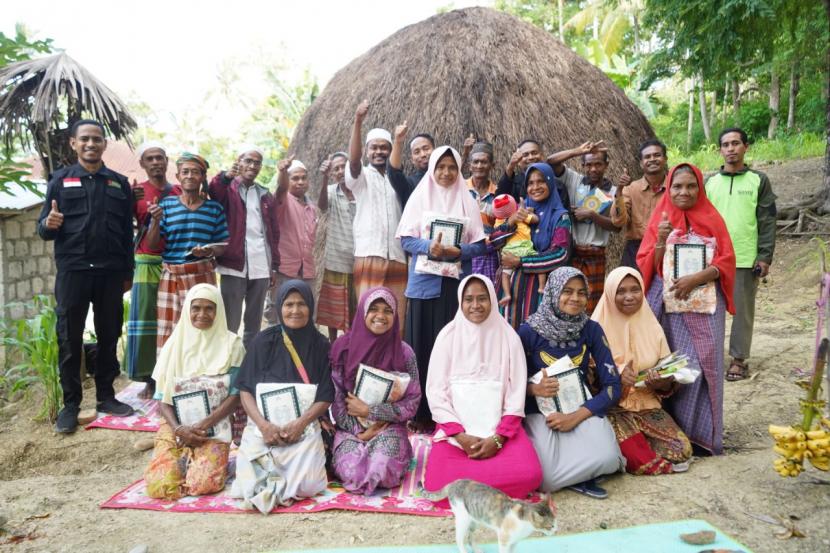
(549, 211)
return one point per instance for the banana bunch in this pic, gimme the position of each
(794, 445)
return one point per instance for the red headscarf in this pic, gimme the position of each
(705, 220)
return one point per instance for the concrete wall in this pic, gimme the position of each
(28, 266)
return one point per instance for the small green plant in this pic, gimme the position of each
(33, 343)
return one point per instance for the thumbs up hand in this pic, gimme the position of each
(663, 229)
(155, 210)
(436, 249)
(138, 191)
(625, 179)
(54, 220)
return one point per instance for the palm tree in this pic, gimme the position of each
(610, 22)
(41, 94)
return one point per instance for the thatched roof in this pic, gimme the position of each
(36, 96)
(482, 71)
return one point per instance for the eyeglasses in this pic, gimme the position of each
(251, 162)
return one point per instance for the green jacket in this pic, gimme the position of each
(746, 202)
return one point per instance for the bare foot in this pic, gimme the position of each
(148, 391)
(505, 300)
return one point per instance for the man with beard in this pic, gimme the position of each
(512, 181)
(249, 264)
(592, 226)
(88, 213)
(635, 201)
(745, 200)
(142, 325)
(337, 298)
(379, 258)
(195, 232)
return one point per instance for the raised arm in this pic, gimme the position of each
(282, 179)
(323, 197)
(558, 159)
(356, 140)
(396, 157)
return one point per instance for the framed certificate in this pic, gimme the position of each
(372, 388)
(689, 259)
(280, 406)
(192, 408)
(450, 232)
(571, 393)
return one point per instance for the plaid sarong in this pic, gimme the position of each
(591, 261)
(141, 327)
(377, 271)
(337, 300)
(175, 281)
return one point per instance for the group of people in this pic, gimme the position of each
(465, 291)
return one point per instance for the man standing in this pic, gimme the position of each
(337, 298)
(142, 325)
(512, 181)
(379, 258)
(195, 233)
(745, 200)
(88, 213)
(249, 264)
(634, 201)
(483, 190)
(297, 218)
(420, 149)
(593, 226)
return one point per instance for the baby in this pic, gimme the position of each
(519, 244)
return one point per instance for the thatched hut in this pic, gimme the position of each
(481, 71)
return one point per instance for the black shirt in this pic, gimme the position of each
(97, 230)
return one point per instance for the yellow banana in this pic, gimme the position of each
(816, 434)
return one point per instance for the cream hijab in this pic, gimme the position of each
(193, 352)
(638, 338)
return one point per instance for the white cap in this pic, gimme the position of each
(245, 148)
(296, 164)
(379, 134)
(149, 145)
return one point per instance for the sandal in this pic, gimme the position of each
(740, 374)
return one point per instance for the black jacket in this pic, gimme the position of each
(97, 230)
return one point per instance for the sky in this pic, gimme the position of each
(171, 54)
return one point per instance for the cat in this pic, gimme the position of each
(474, 504)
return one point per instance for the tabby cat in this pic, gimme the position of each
(474, 504)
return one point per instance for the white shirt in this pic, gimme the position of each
(376, 217)
(257, 263)
(585, 233)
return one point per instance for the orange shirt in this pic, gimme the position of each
(633, 207)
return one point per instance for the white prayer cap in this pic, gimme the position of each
(149, 145)
(245, 148)
(296, 164)
(379, 134)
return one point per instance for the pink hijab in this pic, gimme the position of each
(490, 350)
(454, 200)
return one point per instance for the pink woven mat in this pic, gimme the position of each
(145, 419)
(400, 500)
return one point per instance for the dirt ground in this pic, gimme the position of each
(50, 485)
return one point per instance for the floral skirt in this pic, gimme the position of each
(650, 440)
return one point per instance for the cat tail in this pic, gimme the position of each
(435, 497)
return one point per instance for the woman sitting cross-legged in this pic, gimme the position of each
(576, 447)
(650, 440)
(476, 391)
(201, 354)
(371, 448)
(278, 463)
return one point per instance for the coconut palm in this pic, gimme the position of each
(41, 94)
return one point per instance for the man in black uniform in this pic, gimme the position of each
(88, 213)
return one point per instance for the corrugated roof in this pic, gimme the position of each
(19, 198)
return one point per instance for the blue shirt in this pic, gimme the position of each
(427, 287)
(184, 229)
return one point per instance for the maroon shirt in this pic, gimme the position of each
(142, 216)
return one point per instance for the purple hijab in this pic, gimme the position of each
(359, 345)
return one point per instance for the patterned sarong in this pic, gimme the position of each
(591, 261)
(649, 440)
(175, 281)
(142, 325)
(377, 271)
(337, 300)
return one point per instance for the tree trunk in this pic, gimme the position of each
(774, 103)
(704, 118)
(723, 108)
(736, 101)
(561, 20)
(713, 114)
(794, 86)
(691, 123)
(826, 188)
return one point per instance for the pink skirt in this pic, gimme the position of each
(515, 469)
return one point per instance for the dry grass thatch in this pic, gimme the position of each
(39, 95)
(481, 71)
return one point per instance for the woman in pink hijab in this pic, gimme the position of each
(476, 390)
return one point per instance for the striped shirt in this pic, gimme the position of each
(184, 229)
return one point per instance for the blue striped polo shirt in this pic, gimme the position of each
(184, 229)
